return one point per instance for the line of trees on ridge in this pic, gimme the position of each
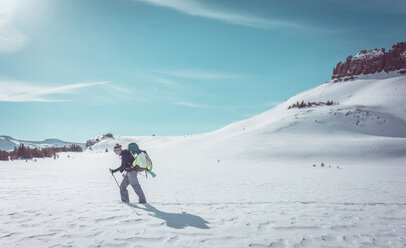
(309, 104)
(25, 152)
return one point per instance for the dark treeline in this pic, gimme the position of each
(23, 152)
(309, 104)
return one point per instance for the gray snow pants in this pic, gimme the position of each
(131, 178)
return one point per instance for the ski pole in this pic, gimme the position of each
(115, 180)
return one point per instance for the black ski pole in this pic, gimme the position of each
(115, 180)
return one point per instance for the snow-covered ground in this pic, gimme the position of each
(250, 184)
(74, 202)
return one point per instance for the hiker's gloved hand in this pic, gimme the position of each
(111, 171)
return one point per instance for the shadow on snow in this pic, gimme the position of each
(173, 220)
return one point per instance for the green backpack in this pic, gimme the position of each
(142, 161)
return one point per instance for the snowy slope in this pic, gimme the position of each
(8, 143)
(369, 118)
(249, 184)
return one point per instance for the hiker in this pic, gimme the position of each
(130, 175)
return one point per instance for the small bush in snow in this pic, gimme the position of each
(4, 155)
(90, 143)
(108, 135)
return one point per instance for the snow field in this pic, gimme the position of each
(74, 202)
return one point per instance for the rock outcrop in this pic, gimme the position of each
(370, 62)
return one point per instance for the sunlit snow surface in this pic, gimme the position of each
(250, 184)
(75, 202)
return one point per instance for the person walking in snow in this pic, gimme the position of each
(130, 175)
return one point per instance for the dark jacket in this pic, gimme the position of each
(126, 161)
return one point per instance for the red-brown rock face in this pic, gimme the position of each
(370, 62)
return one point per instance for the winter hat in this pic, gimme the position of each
(117, 147)
(133, 147)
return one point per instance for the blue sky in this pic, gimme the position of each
(75, 69)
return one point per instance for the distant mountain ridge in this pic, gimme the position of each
(7, 143)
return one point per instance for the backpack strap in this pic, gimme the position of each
(134, 156)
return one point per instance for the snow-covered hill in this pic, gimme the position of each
(8, 143)
(368, 119)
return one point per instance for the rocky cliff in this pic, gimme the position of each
(370, 62)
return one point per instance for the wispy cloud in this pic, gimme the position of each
(195, 8)
(109, 94)
(12, 91)
(162, 81)
(117, 89)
